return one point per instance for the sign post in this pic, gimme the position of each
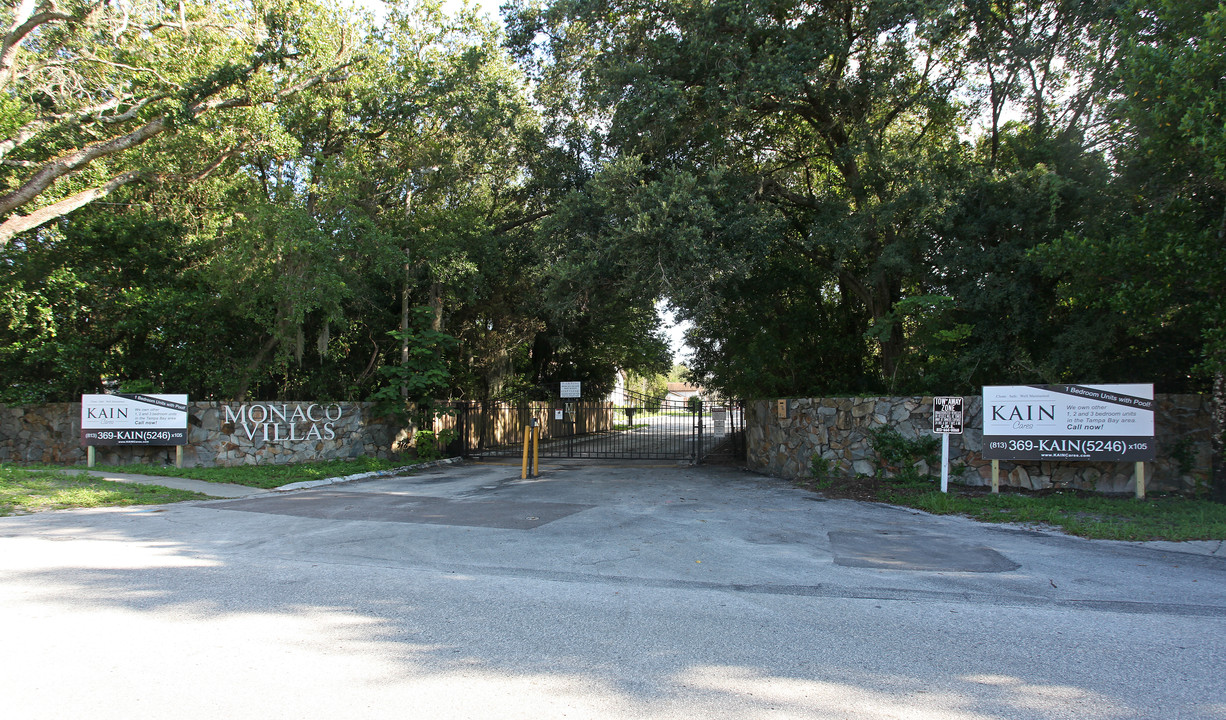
(946, 421)
(571, 390)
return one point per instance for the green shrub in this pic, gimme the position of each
(431, 447)
(897, 456)
(819, 470)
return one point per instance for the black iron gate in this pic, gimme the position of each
(637, 428)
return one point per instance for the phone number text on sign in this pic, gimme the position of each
(1127, 450)
(135, 437)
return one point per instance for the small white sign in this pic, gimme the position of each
(571, 390)
(947, 415)
(557, 414)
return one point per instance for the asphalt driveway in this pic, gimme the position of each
(602, 591)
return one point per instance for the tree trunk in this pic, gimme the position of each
(404, 322)
(885, 295)
(436, 306)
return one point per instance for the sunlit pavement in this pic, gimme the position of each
(595, 591)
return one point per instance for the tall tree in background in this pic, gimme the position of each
(906, 163)
(322, 177)
(97, 95)
(1162, 265)
(121, 297)
(839, 117)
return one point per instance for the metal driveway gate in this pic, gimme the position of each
(639, 428)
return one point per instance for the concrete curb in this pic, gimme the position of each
(391, 472)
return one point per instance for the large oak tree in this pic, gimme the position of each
(95, 94)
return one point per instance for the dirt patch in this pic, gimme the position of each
(875, 489)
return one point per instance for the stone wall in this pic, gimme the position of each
(784, 442)
(219, 434)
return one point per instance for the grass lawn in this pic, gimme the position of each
(25, 490)
(265, 476)
(1083, 514)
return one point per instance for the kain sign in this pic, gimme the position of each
(133, 419)
(1112, 423)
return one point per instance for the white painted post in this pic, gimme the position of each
(944, 462)
(89, 456)
(946, 420)
(1140, 481)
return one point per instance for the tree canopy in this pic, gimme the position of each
(874, 190)
(308, 178)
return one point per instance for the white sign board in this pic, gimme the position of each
(570, 390)
(947, 415)
(133, 419)
(719, 419)
(1113, 423)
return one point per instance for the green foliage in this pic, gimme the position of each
(118, 298)
(717, 179)
(102, 95)
(430, 447)
(898, 456)
(807, 198)
(651, 387)
(820, 471)
(414, 170)
(138, 386)
(422, 378)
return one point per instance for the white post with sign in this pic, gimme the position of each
(946, 421)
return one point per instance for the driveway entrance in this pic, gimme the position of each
(638, 428)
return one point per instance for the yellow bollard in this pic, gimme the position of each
(523, 473)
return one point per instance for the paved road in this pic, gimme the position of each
(593, 592)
